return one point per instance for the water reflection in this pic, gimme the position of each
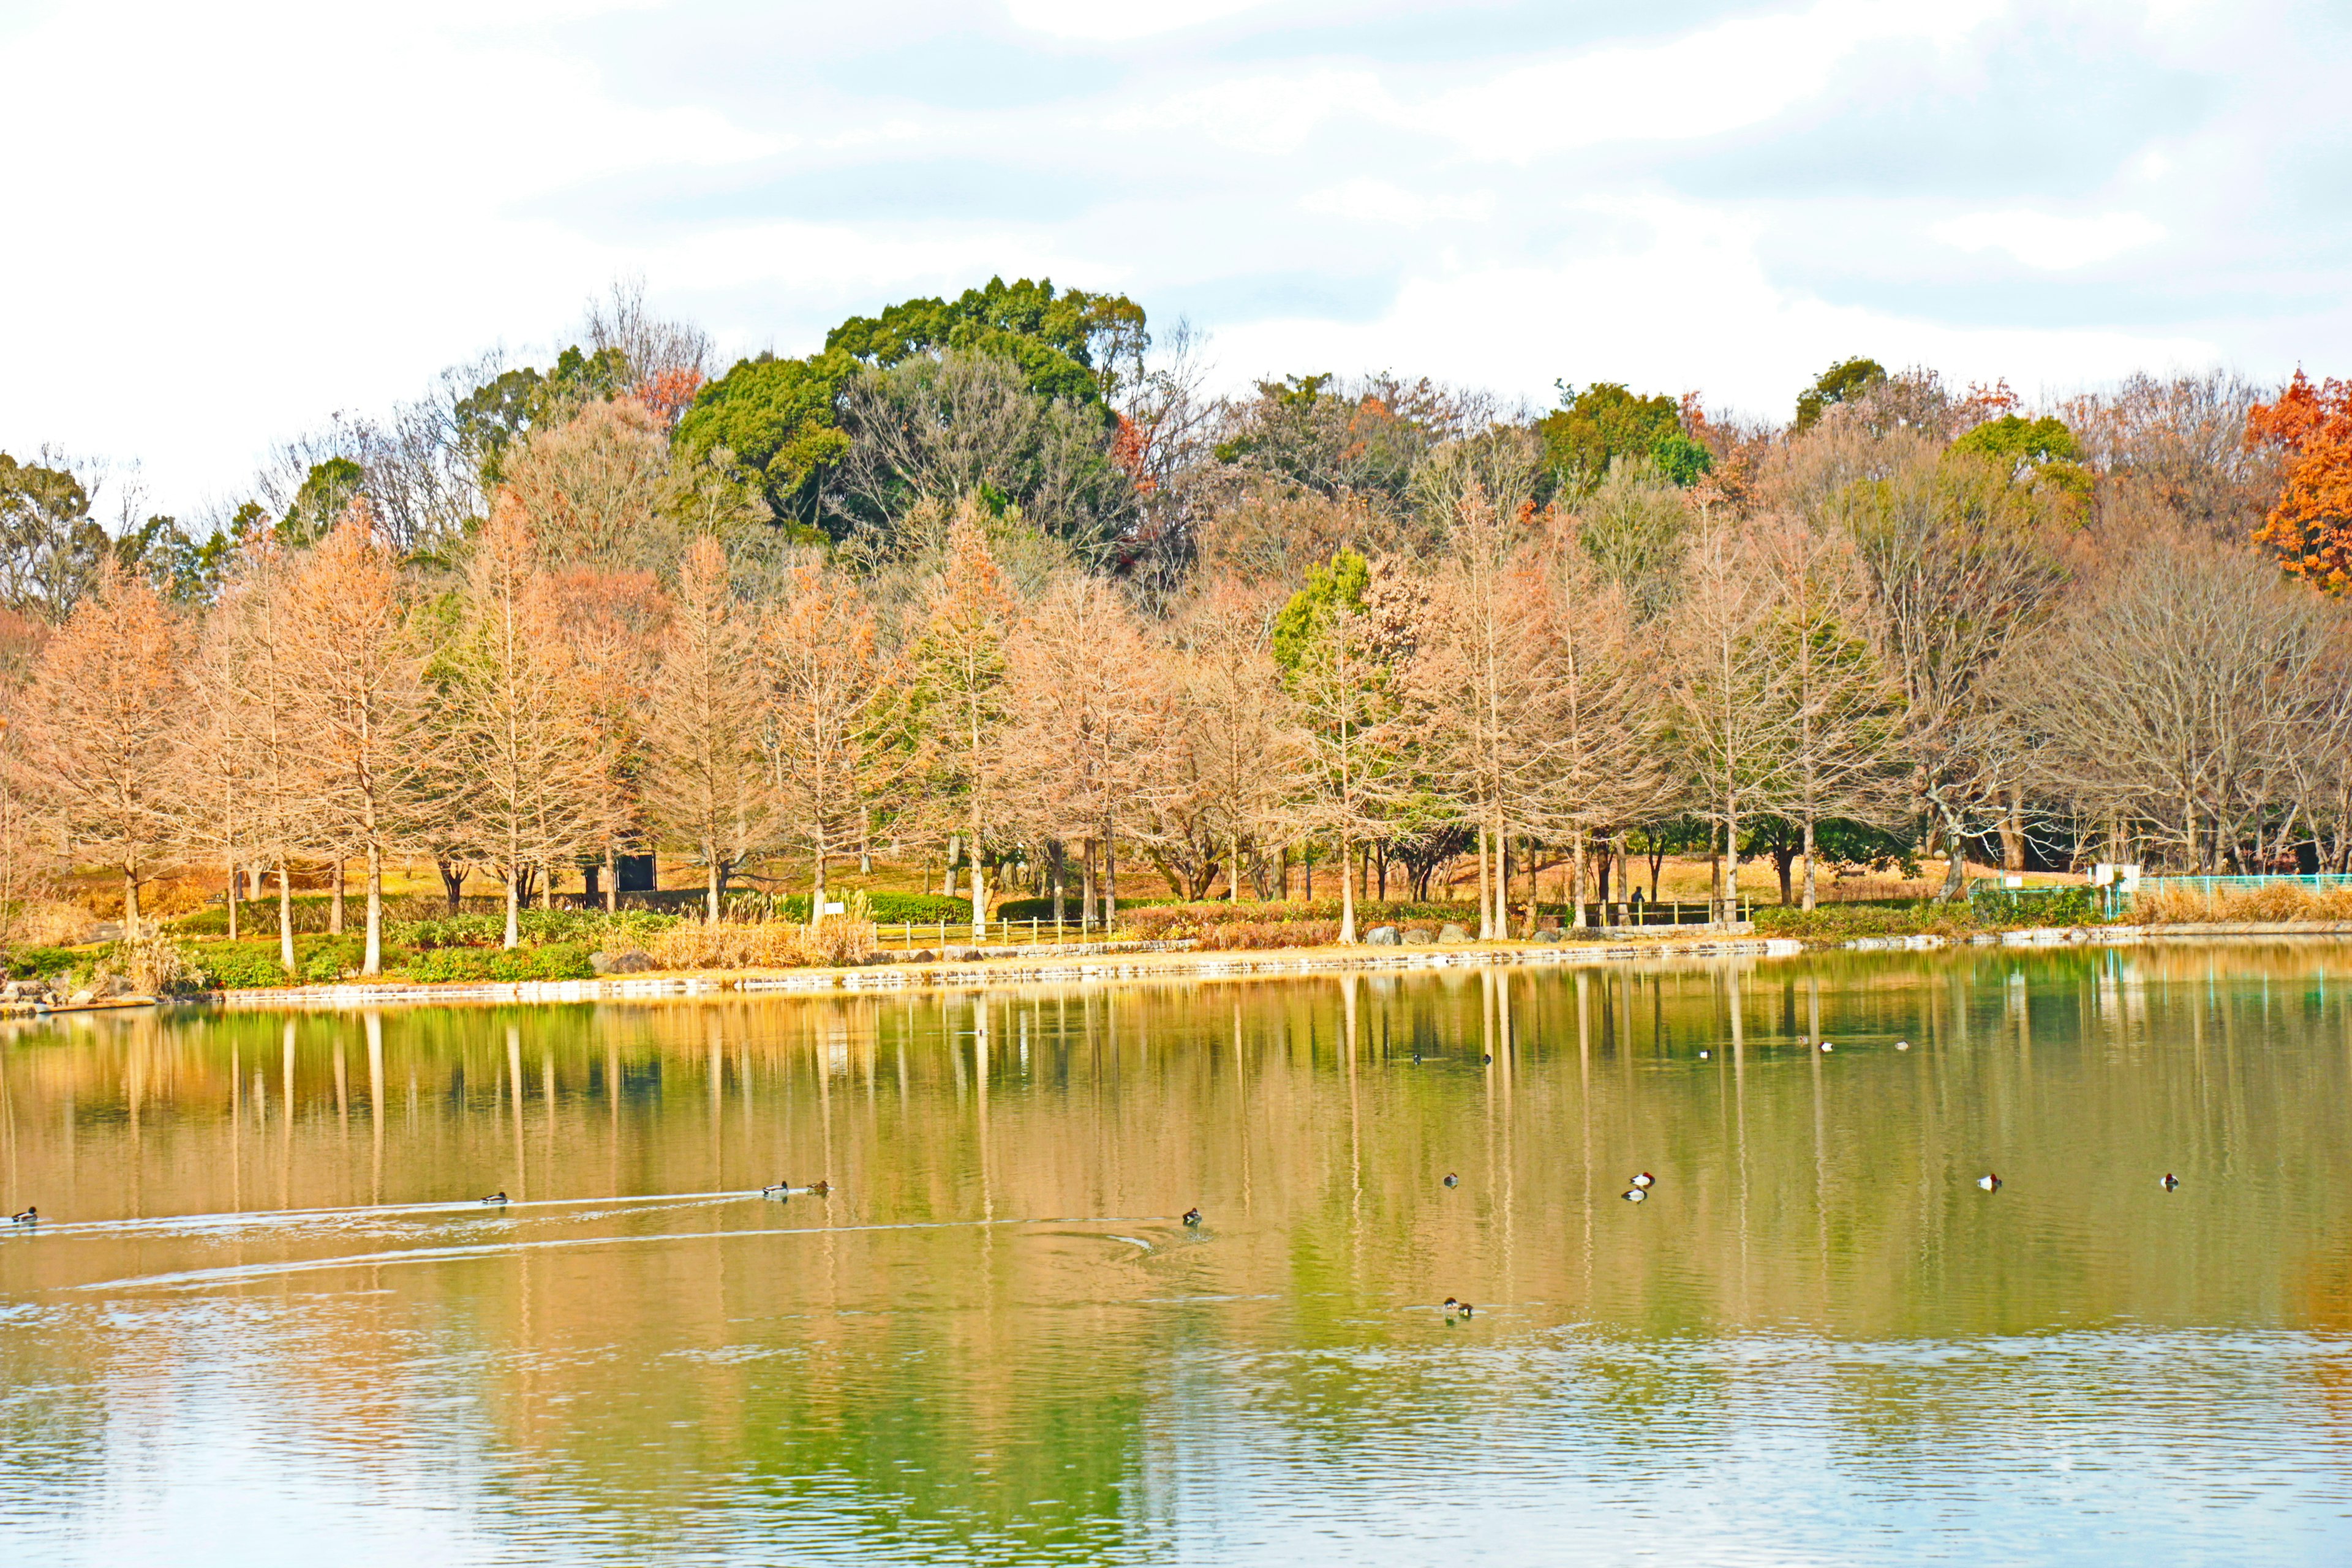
(268, 1311)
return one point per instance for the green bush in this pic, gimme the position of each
(1844, 922)
(325, 960)
(1043, 908)
(443, 965)
(41, 962)
(237, 965)
(887, 909)
(452, 930)
(592, 928)
(556, 961)
(2064, 906)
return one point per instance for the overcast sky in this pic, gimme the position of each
(232, 220)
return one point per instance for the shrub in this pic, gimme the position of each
(893, 909)
(1845, 921)
(1043, 908)
(444, 964)
(239, 965)
(452, 930)
(152, 963)
(2270, 903)
(1161, 921)
(771, 944)
(46, 922)
(2069, 906)
(556, 961)
(1239, 934)
(41, 962)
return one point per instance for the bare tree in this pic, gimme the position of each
(2188, 690)
(708, 784)
(1730, 715)
(109, 697)
(1090, 709)
(1484, 689)
(956, 676)
(1606, 765)
(1844, 719)
(514, 719)
(591, 489)
(1350, 735)
(355, 674)
(613, 622)
(822, 673)
(1957, 564)
(1235, 724)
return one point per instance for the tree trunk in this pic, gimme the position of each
(130, 904)
(232, 875)
(612, 879)
(1576, 877)
(285, 919)
(335, 903)
(514, 906)
(1502, 876)
(816, 884)
(979, 876)
(946, 872)
(1058, 861)
(1347, 894)
(1109, 877)
(373, 963)
(2012, 835)
(1233, 869)
(1812, 851)
(1486, 899)
(865, 839)
(710, 880)
(1086, 882)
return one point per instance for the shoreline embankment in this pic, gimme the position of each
(1165, 962)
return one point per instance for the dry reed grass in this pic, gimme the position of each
(2273, 903)
(763, 944)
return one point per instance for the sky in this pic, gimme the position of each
(234, 221)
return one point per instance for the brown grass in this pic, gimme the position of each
(769, 944)
(2274, 903)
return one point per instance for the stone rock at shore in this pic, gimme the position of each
(922, 955)
(1549, 934)
(1450, 931)
(1418, 939)
(633, 961)
(1381, 936)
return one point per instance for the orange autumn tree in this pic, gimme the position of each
(2310, 525)
(103, 717)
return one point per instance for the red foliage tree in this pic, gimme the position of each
(2310, 525)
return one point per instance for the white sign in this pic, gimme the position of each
(833, 908)
(2110, 874)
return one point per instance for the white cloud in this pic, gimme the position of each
(2052, 243)
(1120, 21)
(1720, 79)
(236, 220)
(1730, 332)
(1366, 200)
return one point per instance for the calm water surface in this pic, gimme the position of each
(263, 1322)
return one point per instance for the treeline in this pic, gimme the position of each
(995, 576)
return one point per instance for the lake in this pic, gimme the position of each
(264, 1319)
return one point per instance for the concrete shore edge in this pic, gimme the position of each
(1167, 962)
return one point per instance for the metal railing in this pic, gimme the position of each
(2322, 883)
